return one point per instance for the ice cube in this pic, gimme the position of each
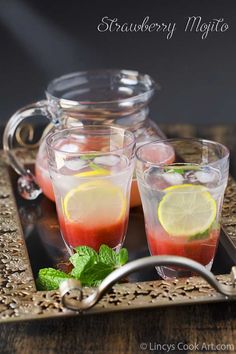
(173, 178)
(69, 147)
(75, 164)
(59, 159)
(154, 178)
(109, 160)
(205, 177)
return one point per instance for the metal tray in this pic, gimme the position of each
(30, 239)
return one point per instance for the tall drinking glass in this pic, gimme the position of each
(91, 169)
(182, 200)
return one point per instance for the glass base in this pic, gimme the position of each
(117, 248)
(170, 273)
(71, 250)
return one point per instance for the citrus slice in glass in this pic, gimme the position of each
(186, 210)
(95, 203)
(97, 172)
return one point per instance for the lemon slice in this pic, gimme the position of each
(187, 210)
(95, 202)
(97, 172)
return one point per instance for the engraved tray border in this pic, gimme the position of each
(19, 299)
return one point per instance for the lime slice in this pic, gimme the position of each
(186, 210)
(95, 203)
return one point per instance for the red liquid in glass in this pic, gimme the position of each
(202, 250)
(77, 234)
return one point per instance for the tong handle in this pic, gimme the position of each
(81, 304)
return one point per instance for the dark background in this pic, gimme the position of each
(43, 39)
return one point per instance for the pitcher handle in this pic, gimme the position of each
(82, 303)
(27, 185)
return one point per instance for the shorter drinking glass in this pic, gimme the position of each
(182, 200)
(91, 169)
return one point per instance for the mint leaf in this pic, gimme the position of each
(86, 251)
(94, 166)
(88, 157)
(110, 257)
(79, 263)
(177, 170)
(107, 255)
(200, 236)
(50, 278)
(81, 258)
(122, 257)
(95, 273)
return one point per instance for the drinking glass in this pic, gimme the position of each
(182, 200)
(91, 170)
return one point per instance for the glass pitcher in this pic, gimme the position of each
(113, 97)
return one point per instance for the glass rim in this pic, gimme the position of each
(169, 140)
(94, 127)
(51, 86)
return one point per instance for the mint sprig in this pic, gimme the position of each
(89, 267)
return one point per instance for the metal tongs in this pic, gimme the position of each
(82, 303)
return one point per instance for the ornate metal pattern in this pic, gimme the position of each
(19, 299)
(229, 212)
